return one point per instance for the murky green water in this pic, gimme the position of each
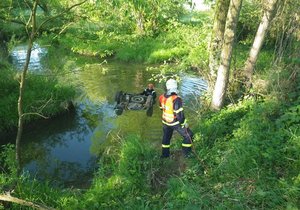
(65, 149)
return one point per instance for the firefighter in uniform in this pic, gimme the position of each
(173, 119)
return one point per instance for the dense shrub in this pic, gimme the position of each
(124, 181)
(179, 43)
(51, 93)
(254, 160)
(246, 156)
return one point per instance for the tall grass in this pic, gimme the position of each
(250, 159)
(124, 180)
(249, 152)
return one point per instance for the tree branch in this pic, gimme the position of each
(13, 20)
(60, 14)
(39, 110)
(44, 105)
(8, 198)
(35, 113)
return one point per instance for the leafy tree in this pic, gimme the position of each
(135, 16)
(31, 25)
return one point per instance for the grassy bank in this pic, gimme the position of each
(248, 158)
(50, 99)
(178, 42)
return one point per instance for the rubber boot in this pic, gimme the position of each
(165, 153)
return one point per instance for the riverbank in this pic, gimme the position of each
(7, 136)
(52, 98)
(240, 163)
(246, 156)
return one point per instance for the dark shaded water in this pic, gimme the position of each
(65, 149)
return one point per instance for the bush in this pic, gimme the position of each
(247, 156)
(9, 96)
(123, 181)
(249, 159)
(40, 91)
(180, 43)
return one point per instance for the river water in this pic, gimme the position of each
(66, 149)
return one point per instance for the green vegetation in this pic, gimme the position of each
(51, 99)
(250, 156)
(247, 155)
(184, 43)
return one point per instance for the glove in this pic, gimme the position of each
(185, 125)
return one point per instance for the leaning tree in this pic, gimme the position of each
(221, 84)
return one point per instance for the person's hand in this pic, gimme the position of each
(185, 125)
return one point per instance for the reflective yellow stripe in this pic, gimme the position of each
(168, 117)
(170, 124)
(187, 145)
(182, 124)
(165, 145)
(179, 110)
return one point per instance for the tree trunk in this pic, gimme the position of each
(22, 84)
(33, 25)
(258, 41)
(216, 42)
(223, 70)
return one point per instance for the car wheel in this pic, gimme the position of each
(137, 99)
(118, 96)
(119, 109)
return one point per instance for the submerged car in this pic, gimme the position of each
(132, 101)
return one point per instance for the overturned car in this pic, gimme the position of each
(132, 101)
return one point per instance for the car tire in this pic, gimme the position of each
(119, 109)
(137, 99)
(118, 96)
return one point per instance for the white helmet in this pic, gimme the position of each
(171, 86)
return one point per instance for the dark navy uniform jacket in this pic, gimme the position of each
(148, 92)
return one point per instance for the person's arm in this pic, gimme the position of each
(153, 94)
(143, 93)
(178, 111)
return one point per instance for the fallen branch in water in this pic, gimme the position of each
(8, 198)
